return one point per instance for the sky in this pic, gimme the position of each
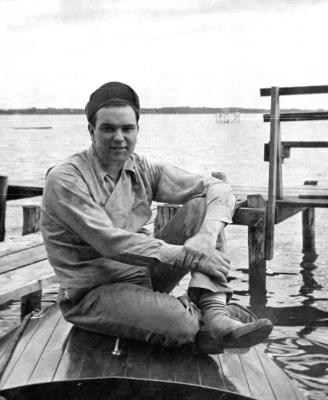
(215, 53)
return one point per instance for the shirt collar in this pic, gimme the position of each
(100, 169)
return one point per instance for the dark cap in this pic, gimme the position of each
(109, 93)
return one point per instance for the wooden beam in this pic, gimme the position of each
(248, 216)
(296, 90)
(3, 199)
(18, 192)
(285, 212)
(299, 116)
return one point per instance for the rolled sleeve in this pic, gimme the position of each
(174, 185)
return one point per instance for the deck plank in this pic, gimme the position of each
(210, 371)
(233, 373)
(51, 356)
(23, 369)
(115, 365)
(20, 243)
(26, 280)
(161, 364)
(185, 366)
(96, 355)
(279, 381)
(255, 375)
(71, 363)
(138, 360)
(22, 258)
(21, 345)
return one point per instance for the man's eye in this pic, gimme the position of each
(128, 129)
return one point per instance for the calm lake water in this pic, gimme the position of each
(297, 293)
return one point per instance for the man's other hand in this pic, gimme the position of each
(199, 253)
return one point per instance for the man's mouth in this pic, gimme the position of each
(117, 148)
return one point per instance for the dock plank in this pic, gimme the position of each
(138, 360)
(71, 363)
(17, 353)
(20, 243)
(115, 365)
(95, 356)
(161, 364)
(279, 382)
(233, 373)
(26, 280)
(22, 258)
(210, 371)
(32, 352)
(52, 353)
(255, 376)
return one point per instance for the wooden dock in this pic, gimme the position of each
(50, 351)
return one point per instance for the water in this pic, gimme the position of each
(297, 294)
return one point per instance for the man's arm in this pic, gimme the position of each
(178, 186)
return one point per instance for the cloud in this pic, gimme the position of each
(89, 11)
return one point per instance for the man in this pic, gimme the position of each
(114, 278)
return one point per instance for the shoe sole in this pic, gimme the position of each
(248, 337)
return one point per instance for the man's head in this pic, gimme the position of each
(113, 113)
(111, 94)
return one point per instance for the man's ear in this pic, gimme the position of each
(91, 131)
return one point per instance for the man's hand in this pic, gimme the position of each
(199, 253)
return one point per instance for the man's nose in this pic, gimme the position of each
(118, 134)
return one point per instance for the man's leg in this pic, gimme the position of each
(133, 311)
(182, 226)
(219, 326)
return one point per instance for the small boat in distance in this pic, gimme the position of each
(227, 117)
(31, 127)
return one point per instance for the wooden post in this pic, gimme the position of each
(31, 224)
(164, 213)
(308, 228)
(3, 199)
(31, 219)
(275, 181)
(256, 254)
(31, 302)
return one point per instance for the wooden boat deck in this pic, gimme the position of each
(50, 350)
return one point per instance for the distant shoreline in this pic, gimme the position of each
(161, 110)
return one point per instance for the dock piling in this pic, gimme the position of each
(3, 199)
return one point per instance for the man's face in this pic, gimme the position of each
(115, 135)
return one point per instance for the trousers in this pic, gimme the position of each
(140, 306)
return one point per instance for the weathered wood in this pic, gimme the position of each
(20, 243)
(32, 352)
(52, 353)
(256, 254)
(248, 216)
(17, 283)
(273, 172)
(30, 302)
(51, 350)
(296, 90)
(20, 259)
(164, 213)
(20, 191)
(285, 212)
(308, 233)
(31, 219)
(299, 116)
(3, 198)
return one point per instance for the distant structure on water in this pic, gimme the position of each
(227, 117)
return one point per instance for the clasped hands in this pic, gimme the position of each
(199, 254)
